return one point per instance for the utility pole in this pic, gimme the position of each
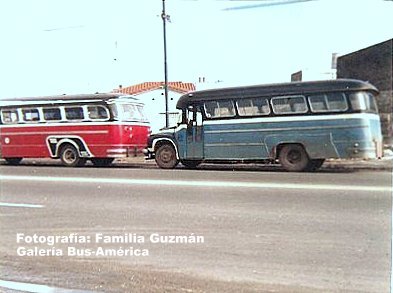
(164, 19)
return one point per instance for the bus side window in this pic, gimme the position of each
(74, 113)
(318, 103)
(337, 102)
(281, 105)
(97, 112)
(9, 116)
(30, 115)
(289, 105)
(329, 102)
(52, 114)
(218, 109)
(253, 107)
(227, 109)
(244, 107)
(210, 109)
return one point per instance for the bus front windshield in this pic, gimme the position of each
(130, 112)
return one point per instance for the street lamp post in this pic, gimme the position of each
(164, 19)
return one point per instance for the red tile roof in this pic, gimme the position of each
(179, 87)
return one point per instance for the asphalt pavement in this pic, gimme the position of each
(264, 230)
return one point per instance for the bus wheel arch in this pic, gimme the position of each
(165, 154)
(70, 156)
(293, 157)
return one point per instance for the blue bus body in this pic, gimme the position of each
(350, 129)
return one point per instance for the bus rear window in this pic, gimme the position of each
(363, 102)
(332, 102)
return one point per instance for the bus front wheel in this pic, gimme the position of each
(166, 157)
(293, 158)
(69, 156)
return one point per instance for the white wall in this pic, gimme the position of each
(155, 107)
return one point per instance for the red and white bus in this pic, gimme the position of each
(73, 128)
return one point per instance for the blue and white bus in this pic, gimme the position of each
(297, 124)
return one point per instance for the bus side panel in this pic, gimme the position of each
(31, 141)
(26, 142)
(181, 138)
(331, 136)
(316, 145)
(140, 134)
(361, 139)
(234, 141)
(117, 140)
(97, 138)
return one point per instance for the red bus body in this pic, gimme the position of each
(107, 137)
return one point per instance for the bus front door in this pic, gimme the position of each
(195, 136)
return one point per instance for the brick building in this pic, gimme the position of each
(374, 64)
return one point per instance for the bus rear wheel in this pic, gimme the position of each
(13, 161)
(293, 158)
(69, 156)
(102, 162)
(166, 157)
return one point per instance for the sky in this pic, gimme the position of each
(86, 46)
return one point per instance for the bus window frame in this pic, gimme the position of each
(328, 110)
(22, 117)
(78, 119)
(208, 115)
(289, 97)
(367, 108)
(54, 120)
(117, 111)
(108, 115)
(15, 110)
(266, 99)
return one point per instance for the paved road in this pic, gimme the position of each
(264, 231)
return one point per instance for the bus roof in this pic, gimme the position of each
(61, 99)
(281, 89)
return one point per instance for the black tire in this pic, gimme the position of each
(315, 164)
(293, 158)
(166, 157)
(69, 156)
(102, 162)
(191, 164)
(13, 161)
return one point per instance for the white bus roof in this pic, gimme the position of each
(65, 99)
